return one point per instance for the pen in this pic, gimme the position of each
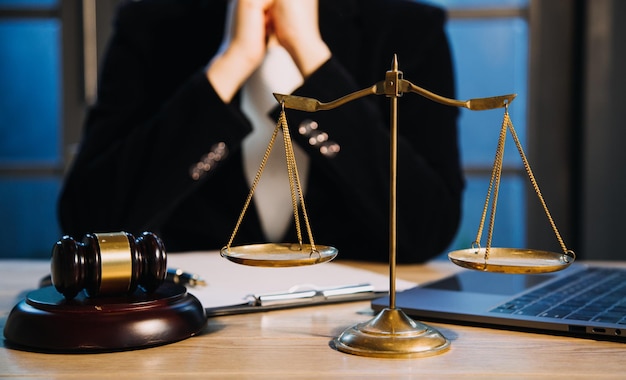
(311, 296)
(178, 276)
(289, 299)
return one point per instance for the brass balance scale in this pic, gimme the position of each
(391, 333)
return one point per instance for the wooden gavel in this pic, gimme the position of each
(108, 264)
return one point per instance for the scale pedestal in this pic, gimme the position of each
(391, 333)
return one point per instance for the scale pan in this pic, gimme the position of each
(511, 260)
(279, 254)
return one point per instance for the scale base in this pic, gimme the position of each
(391, 334)
(46, 322)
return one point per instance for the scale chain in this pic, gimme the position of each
(257, 177)
(494, 184)
(531, 177)
(294, 184)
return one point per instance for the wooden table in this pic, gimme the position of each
(295, 344)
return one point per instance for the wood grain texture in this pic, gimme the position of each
(296, 344)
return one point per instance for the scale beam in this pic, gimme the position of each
(301, 103)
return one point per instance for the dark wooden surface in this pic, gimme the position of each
(46, 321)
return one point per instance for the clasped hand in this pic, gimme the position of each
(251, 26)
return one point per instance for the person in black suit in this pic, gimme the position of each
(164, 147)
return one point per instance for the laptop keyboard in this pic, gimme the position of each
(597, 294)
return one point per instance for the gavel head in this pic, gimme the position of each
(108, 264)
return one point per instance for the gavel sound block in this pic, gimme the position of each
(108, 294)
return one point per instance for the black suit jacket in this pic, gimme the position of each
(157, 117)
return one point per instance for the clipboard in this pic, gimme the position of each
(237, 289)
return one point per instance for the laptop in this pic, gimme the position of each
(583, 300)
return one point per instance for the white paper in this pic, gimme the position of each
(230, 283)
